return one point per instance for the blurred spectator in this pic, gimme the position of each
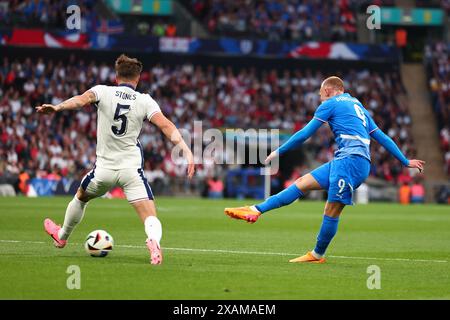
(443, 194)
(24, 177)
(171, 30)
(54, 174)
(143, 28)
(404, 193)
(417, 192)
(404, 177)
(158, 29)
(215, 188)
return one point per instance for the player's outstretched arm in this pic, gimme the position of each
(297, 139)
(69, 104)
(172, 133)
(393, 149)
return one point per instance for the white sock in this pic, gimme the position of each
(153, 228)
(316, 255)
(74, 214)
(253, 208)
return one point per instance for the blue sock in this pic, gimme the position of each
(326, 234)
(283, 198)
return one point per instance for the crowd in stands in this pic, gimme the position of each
(46, 13)
(145, 25)
(438, 65)
(64, 144)
(53, 15)
(295, 20)
(444, 4)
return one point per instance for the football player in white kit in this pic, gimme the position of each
(121, 113)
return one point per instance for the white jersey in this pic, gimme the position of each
(121, 112)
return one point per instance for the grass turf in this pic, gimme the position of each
(374, 234)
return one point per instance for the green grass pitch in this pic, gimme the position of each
(210, 256)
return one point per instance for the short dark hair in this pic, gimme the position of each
(128, 68)
(334, 82)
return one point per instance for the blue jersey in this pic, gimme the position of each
(351, 124)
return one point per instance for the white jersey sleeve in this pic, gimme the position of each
(99, 91)
(150, 106)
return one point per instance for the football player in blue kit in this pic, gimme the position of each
(352, 127)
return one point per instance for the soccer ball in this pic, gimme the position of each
(99, 243)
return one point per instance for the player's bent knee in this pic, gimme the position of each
(83, 196)
(334, 209)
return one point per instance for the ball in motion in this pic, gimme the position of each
(99, 243)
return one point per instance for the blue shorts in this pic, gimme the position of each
(340, 177)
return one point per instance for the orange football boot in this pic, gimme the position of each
(308, 257)
(243, 213)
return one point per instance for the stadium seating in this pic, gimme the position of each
(293, 20)
(220, 97)
(438, 66)
(49, 14)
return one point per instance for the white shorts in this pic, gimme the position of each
(133, 182)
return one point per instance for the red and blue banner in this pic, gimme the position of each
(109, 26)
(42, 38)
(255, 48)
(109, 40)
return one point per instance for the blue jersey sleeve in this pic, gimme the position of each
(300, 136)
(390, 146)
(324, 111)
(371, 124)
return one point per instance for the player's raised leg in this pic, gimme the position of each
(147, 213)
(74, 214)
(93, 185)
(327, 231)
(283, 198)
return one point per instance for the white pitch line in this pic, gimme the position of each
(246, 252)
(294, 254)
(390, 259)
(19, 241)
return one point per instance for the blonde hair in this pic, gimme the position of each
(334, 82)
